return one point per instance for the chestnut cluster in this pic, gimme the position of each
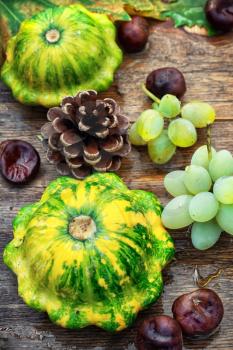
(196, 315)
(133, 35)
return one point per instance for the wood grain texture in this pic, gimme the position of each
(207, 66)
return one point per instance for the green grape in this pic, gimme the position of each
(201, 156)
(225, 217)
(197, 179)
(134, 138)
(176, 213)
(200, 114)
(221, 165)
(203, 207)
(155, 106)
(174, 183)
(161, 150)
(204, 235)
(223, 189)
(182, 133)
(169, 106)
(149, 125)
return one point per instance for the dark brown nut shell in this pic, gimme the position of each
(161, 333)
(19, 161)
(133, 35)
(164, 81)
(199, 313)
(220, 14)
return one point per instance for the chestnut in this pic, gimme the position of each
(164, 81)
(159, 332)
(133, 35)
(19, 161)
(220, 14)
(199, 313)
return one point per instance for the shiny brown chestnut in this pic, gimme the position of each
(19, 161)
(164, 81)
(159, 332)
(199, 313)
(133, 35)
(220, 14)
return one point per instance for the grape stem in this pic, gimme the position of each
(208, 137)
(150, 95)
(202, 282)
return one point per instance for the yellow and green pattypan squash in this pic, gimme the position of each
(90, 252)
(59, 52)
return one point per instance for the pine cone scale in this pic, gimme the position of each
(54, 142)
(63, 168)
(54, 157)
(91, 150)
(124, 151)
(111, 105)
(116, 164)
(82, 172)
(112, 143)
(122, 127)
(47, 130)
(55, 112)
(83, 127)
(104, 164)
(73, 151)
(75, 162)
(70, 137)
(101, 133)
(61, 125)
(92, 161)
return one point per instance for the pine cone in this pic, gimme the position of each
(85, 135)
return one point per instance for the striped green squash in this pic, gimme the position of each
(90, 252)
(59, 52)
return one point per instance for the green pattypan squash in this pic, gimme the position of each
(90, 252)
(59, 52)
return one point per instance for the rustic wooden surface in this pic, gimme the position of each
(208, 68)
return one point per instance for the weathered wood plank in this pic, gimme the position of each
(207, 65)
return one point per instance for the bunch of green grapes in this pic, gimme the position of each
(203, 197)
(149, 129)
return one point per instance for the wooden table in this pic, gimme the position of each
(208, 68)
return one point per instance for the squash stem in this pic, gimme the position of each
(52, 36)
(82, 227)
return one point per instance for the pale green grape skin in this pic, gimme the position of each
(225, 217)
(205, 235)
(201, 157)
(134, 138)
(182, 133)
(149, 125)
(197, 179)
(176, 213)
(223, 189)
(200, 114)
(155, 106)
(161, 149)
(174, 183)
(170, 106)
(203, 207)
(221, 165)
